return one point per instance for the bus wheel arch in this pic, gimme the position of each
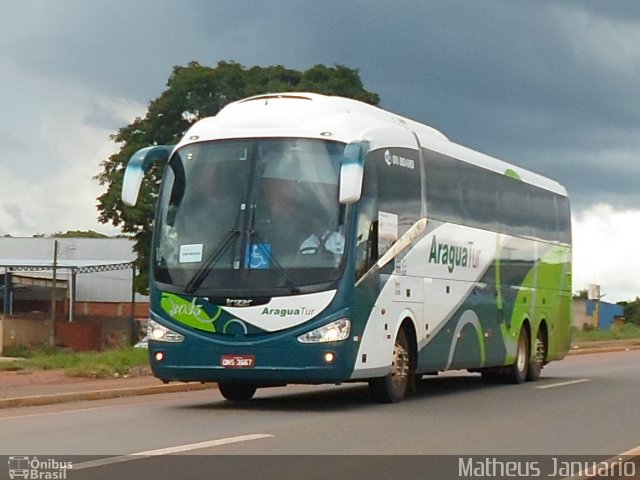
(401, 380)
(539, 352)
(412, 337)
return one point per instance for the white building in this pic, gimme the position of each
(96, 270)
(94, 305)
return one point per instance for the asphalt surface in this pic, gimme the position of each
(582, 407)
(15, 392)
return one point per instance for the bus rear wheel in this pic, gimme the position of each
(395, 386)
(539, 356)
(517, 373)
(237, 392)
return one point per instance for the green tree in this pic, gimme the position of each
(581, 294)
(631, 310)
(194, 92)
(79, 234)
(72, 234)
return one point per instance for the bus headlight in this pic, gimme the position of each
(331, 332)
(160, 333)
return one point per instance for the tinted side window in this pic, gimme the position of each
(464, 193)
(544, 223)
(480, 190)
(367, 228)
(514, 208)
(564, 219)
(444, 188)
(399, 193)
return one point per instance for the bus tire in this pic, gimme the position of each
(539, 356)
(491, 376)
(517, 373)
(237, 392)
(395, 386)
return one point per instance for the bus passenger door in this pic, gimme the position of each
(392, 206)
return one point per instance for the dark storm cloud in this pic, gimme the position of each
(506, 78)
(550, 85)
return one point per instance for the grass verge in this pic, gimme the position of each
(107, 364)
(627, 331)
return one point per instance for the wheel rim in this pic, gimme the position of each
(540, 352)
(400, 366)
(521, 359)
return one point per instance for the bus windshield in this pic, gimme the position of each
(250, 215)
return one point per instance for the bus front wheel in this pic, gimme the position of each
(397, 383)
(238, 392)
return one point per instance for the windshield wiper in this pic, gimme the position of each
(253, 234)
(210, 262)
(293, 288)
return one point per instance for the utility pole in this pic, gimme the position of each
(54, 281)
(595, 296)
(133, 324)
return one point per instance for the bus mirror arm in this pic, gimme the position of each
(351, 172)
(137, 166)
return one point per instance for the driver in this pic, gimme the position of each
(322, 238)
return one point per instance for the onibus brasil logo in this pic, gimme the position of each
(38, 469)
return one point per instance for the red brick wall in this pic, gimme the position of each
(111, 309)
(80, 337)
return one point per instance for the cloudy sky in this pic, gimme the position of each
(550, 85)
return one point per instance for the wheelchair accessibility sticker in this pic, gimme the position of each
(258, 256)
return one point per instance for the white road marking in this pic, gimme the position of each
(608, 465)
(169, 450)
(564, 384)
(87, 409)
(634, 452)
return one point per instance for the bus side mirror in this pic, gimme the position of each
(351, 172)
(137, 166)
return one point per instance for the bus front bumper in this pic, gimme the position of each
(267, 365)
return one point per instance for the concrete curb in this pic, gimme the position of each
(604, 346)
(603, 349)
(49, 399)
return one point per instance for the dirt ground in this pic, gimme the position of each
(39, 377)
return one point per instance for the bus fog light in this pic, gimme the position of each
(160, 333)
(329, 357)
(332, 332)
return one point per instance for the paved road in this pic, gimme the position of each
(584, 405)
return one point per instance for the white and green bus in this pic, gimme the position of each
(303, 238)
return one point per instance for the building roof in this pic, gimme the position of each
(75, 266)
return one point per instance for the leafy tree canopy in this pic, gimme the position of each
(79, 234)
(72, 234)
(581, 294)
(631, 311)
(194, 92)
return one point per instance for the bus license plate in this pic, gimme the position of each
(238, 361)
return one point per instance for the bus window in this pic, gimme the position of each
(480, 189)
(444, 189)
(399, 193)
(543, 214)
(564, 219)
(367, 227)
(514, 207)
